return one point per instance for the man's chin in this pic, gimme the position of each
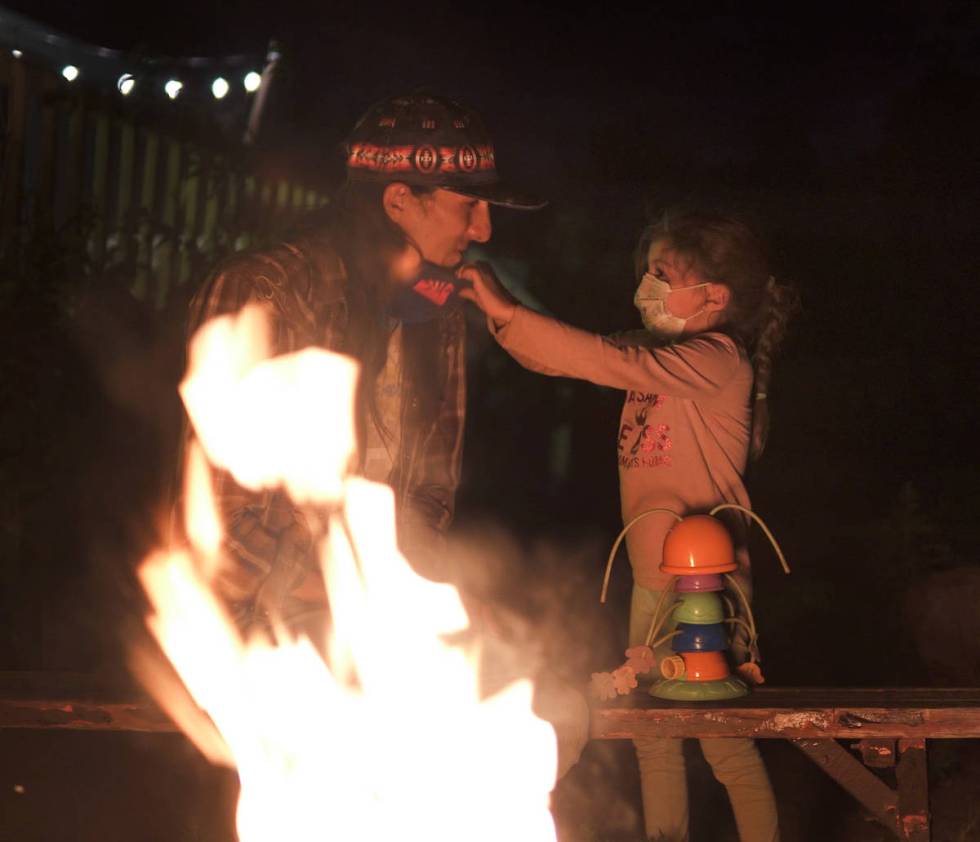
(451, 261)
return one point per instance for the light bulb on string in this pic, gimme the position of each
(16, 53)
(219, 87)
(252, 81)
(173, 88)
(126, 83)
(70, 72)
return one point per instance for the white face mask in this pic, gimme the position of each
(651, 301)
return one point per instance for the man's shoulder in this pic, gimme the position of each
(302, 277)
(300, 261)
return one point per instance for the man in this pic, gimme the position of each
(373, 278)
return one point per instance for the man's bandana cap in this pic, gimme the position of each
(429, 141)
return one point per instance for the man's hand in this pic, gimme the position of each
(487, 293)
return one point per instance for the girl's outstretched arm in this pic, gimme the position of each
(696, 368)
(499, 307)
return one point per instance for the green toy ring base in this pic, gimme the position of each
(678, 689)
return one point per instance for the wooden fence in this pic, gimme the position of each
(140, 191)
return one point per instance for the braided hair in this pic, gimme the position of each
(725, 250)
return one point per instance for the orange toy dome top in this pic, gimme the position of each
(697, 545)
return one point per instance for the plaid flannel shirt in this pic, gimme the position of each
(302, 286)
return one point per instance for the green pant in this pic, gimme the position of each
(663, 780)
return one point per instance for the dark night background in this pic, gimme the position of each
(849, 135)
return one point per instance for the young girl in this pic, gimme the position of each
(695, 381)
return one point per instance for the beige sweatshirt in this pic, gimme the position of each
(684, 433)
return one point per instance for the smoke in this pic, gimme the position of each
(542, 598)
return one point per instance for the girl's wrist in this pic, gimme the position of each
(504, 315)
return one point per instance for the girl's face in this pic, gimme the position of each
(693, 300)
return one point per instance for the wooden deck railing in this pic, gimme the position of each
(888, 728)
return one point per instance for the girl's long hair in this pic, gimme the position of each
(725, 250)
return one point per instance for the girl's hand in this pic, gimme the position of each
(487, 293)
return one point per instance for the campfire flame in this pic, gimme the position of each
(389, 736)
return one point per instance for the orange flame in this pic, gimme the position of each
(388, 738)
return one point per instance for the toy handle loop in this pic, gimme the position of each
(619, 540)
(757, 519)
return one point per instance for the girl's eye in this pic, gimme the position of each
(660, 275)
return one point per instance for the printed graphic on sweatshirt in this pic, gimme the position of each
(643, 442)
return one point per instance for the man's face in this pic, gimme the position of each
(442, 224)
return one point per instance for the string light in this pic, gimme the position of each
(252, 81)
(70, 72)
(16, 53)
(219, 87)
(173, 88)
(126, 83)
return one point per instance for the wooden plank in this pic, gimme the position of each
(83, 716)
(72, 163)
(877, 754)
(30, 214)
(266, 202)
(188, 210)
(149, 147)
(214, 189)
(124, 222)
(797, 713)
(100, 178)
(873, 793)
(230, 218)
(11, 177)
(165, 253)
(912, 776)
(76, 701)
(299, 196)
(47, 146)
(246, 213)
(187, 192)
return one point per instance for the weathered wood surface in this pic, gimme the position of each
(83, 716)
(912, 776)
(790, 713)
(76, 701)
(863, 784)
(904, 810)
